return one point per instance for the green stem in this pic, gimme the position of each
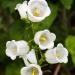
(30, 41)
(32, 27)
(40, 52)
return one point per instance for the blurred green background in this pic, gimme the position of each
(61, 22)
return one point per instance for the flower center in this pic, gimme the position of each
(14, 50)
(59, 55)
(43, 39)
(33, 71)
(36, 12)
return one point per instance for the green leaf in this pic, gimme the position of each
(45, 24)
(67, 3)
(70, 44)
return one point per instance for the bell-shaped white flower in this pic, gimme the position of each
(31, 69)
(35, 10)
(30, 58)
(22, 9)
(57, 55)
(16, 48)
(38, 10)
(11, 49)
(45, 39)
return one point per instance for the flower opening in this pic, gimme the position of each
(43, 39)
(36, 12)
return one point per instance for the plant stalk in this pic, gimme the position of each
(57, 69)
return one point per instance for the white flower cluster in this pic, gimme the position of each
(36, 11)
(21, 49)
(45, 40)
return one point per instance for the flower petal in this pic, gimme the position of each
(63, 52)
(22, 9)
(60, 46)
(32, 57)
(47, 46)
(22, 48)
(25, 60)
(10, 54)
(37, 36)
(23, 70)
(50, 57)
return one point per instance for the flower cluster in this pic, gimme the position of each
(44, 39)
(34, 10)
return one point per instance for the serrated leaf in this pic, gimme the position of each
(67, 3)
(70, 44)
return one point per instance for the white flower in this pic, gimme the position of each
(45, 39)
(35, 10)
(16, 48)
(30, 58)
(22, 9)
(38, 10)
(57, 55)
(31, 69)
(11, 49)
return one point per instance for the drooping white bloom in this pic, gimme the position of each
(30, 58)
(31, 69)
(22, 9)
(16, 48)
(45, 39)
(57, 55)
(35, 10)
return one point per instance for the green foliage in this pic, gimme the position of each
(12, 69)
(10, 4)
(21, 30)
(17, 29)
(70, 44)
(67, 3)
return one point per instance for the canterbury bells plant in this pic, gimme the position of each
(45, 39)
(34, 10)
(38, 51)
